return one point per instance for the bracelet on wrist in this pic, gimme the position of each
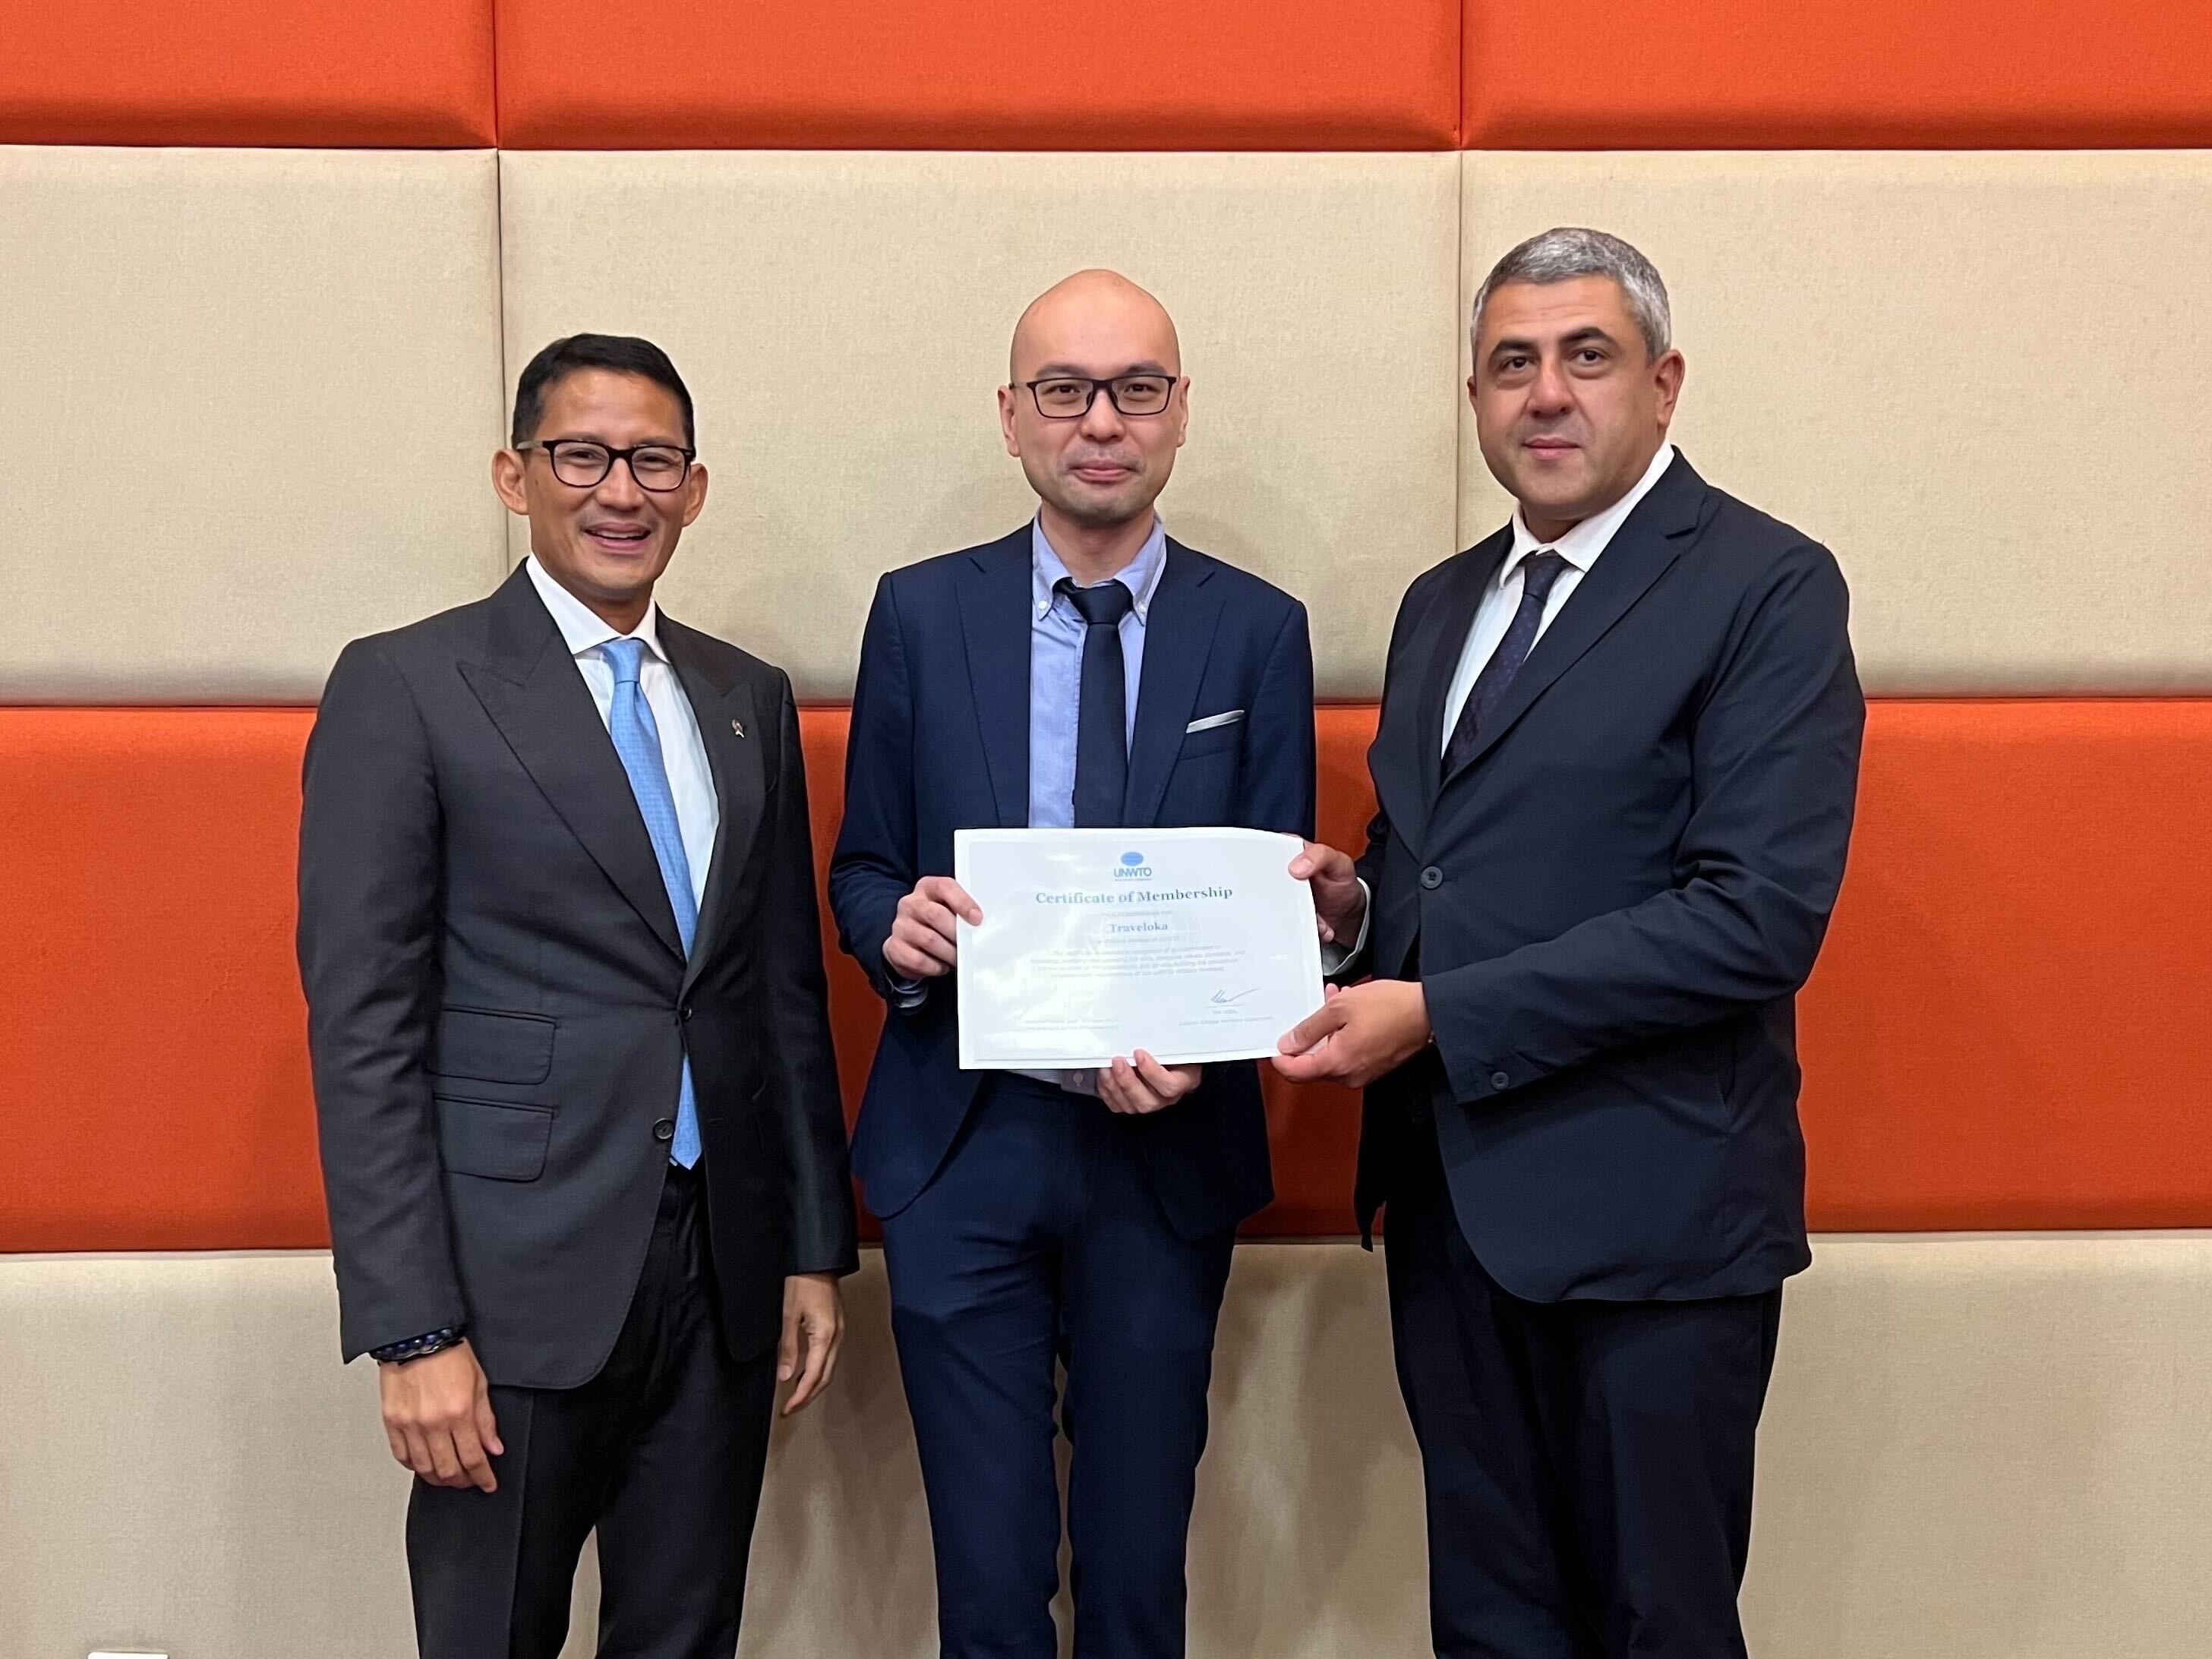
(417, 1347)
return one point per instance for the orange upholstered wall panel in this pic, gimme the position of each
(2012, 1023)
(980, 75)
(1871, 74)
(278, 72)
(152, 1056)
(2008, 1028)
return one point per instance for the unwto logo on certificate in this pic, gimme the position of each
(1134, 868)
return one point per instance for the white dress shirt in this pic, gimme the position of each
(698, 814)
(1579, 547)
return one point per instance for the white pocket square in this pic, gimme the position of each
(1210, 721)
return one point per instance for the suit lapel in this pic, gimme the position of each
(529, 686)
(994, 621)
(1653, 537)
(1439, 650)
(729, 729)
(1404, 760)
(1178, 638)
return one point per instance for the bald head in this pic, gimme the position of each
(1097, 317)
(1097, 467)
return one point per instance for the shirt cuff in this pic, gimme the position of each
(1335, 958)
(906, 993)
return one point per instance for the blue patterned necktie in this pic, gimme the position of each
(1537, 576)
(637, 741)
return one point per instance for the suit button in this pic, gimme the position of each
(1501, 1080)
(664, 1129)
(684, 1011)
(1432, 877)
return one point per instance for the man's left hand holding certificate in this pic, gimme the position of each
(1192, 945)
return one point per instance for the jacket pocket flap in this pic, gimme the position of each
(493, 1047)
(493, 1138)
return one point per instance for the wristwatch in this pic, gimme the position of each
(417, 1347)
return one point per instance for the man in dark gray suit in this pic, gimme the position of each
(580, 1131)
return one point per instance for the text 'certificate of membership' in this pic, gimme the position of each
(1192, 945)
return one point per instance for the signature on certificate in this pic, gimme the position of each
(1223, 998)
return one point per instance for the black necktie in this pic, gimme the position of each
(1102, 722)
(1489, 686)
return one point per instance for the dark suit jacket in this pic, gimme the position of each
(941, 742)
(1612, 903)
(499, 1004)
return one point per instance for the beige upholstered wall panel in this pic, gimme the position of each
(257, 391)
(1989, 1448)
(843, 319)
(1976, 1449)
(1978, 377)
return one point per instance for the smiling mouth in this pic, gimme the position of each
(618, 538)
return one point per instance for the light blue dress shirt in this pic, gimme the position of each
(1056, 668)
(1056, 632)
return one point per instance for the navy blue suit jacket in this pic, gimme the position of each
(1613, 902)
(941, 742)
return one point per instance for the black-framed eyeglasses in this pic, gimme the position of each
(1069, 396)
(581, 463)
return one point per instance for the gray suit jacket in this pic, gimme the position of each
(499, 1003)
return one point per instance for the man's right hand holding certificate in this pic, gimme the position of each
(924, 944)
(1363, 1031)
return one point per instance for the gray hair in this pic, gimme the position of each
(1561, 255)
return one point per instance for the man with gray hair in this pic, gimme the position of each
(1618, 754)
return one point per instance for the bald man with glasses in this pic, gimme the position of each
(1085, 669)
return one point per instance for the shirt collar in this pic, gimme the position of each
(1580, 546)
(583, 629)
(1141, 576)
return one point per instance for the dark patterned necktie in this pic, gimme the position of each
(1537, 576)
(1101, 721)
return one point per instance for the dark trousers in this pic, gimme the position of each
(1040, 1242)
(1587, 1464)
(662, 1451)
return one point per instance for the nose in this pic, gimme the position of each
(1550, 392)
(1102, 422)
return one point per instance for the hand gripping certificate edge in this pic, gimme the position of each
(970, 849)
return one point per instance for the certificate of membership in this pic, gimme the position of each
(1192, 945)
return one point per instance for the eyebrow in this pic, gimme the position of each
(1078, 372)
(594, 438)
